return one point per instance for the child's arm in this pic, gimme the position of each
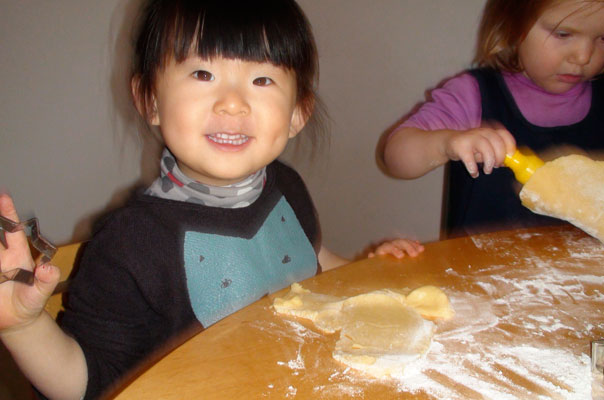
(50, 359)
(411, 152)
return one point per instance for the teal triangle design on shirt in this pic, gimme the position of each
(225, 274)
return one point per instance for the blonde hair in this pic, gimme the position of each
(504, 25)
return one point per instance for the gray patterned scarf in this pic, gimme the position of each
(172, 184)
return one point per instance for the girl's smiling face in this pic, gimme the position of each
(224, 119)
(565, 46)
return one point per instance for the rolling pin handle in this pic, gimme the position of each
(523, 163)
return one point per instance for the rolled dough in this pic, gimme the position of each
(380, 332)
(569, 188)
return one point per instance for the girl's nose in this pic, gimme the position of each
(582, 53)
(231, 102)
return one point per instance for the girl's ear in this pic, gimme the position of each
(152, 114)
(299, 119)
(148, 113)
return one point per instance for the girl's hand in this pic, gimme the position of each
(398, 248)
(21, 304)
(487, 145)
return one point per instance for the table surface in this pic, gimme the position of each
(528, 303)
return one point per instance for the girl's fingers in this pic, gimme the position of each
(485, 148)
(388, 248)
(469, 161)
(7, 208)
(47, 278)
(412, 247)
(499, 149)
(29, 301)
(22, 303)
(487, 145)
(508, 140)
(17, 253)
(398, 248)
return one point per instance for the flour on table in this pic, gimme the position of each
(380, 331)
(509, 337)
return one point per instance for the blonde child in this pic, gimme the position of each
(537, 85)
(227, 83)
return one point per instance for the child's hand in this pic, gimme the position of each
(398, 248)
(20, 304)
(487, 145)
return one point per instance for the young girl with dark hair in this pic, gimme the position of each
(226, 83)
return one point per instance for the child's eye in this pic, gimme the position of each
(561, 34)
(203, 76)
(264, 81)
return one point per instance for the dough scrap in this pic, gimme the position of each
(569, 188)
(380, 333)
(430, 302)
(322, 309)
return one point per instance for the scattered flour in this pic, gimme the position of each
(487, 350)
(296, 364)
(338, 390)
(291, 392)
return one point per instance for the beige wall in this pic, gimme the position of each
(66, 131)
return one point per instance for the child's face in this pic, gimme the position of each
(565, 46)
(225, 119)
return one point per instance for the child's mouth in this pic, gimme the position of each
(570, 78)
(233, 139)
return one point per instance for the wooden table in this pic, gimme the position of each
(527, 304)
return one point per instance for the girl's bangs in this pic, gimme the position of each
(244, 34)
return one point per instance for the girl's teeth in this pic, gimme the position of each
(225, 138)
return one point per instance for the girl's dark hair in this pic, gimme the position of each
(275, 31)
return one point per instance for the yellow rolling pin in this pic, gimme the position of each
(569, 188)
(523, 163)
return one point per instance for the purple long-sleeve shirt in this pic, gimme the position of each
(457, 104)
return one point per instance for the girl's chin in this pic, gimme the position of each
(558, 87)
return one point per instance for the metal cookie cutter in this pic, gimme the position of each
(32, 231)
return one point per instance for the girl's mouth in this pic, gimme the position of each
(569, 78)
(233, 139)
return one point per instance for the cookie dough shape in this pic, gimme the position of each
(323, 310)
(379, 332)
(430, 302)
(569, 188)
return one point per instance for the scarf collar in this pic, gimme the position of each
(173, 184)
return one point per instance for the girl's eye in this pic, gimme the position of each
(561, 34)
(264, 81)
(203, 76)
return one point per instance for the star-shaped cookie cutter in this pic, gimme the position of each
(32, 231)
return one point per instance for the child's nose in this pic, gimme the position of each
(231, 102)
(582, 53)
